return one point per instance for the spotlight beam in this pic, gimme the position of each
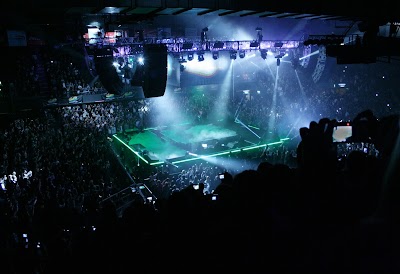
(240, 122)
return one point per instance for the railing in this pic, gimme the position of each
(123, 198)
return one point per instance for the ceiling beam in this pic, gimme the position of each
(206, 11)
(228, 12)
(251, 13)
(270, 14)
(181, 11)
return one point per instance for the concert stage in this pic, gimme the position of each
(186, 142)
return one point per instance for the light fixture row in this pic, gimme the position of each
(215, 55)
(232, 45)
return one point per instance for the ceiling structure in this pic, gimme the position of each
(131, 11)
(76, 14)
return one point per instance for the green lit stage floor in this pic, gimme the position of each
(188, 141)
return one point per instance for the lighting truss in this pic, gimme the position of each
(218, 45)
(179, 45)
(324, 40)
(187, 45)
(254, 44)
(238, 45)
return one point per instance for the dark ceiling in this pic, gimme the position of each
(132, 11)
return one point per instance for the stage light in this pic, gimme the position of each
(182, 68)
(215, 55)
(190, 56)
(280, 55)
(140, 60)
(264, 53)
(181, 60)
(200, 56)
(278, 62)
(242, 53)
(118, 34)
(232, 54)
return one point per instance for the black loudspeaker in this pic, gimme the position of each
(155, 70)
(107, 74)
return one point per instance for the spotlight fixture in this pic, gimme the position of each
(140, 60)
(242, 53)
(263, 53)
(278, 62)
(118, 34)
(181, 60)
(232, 54)
(182, 67)
(280, 55)
(215, 55)
(200, 56)
(190, 56)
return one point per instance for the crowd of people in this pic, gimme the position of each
(286, 209)
(341, 93)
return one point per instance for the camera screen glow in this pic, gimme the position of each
(341, 133)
